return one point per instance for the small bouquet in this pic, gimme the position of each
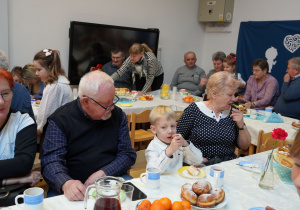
(268, 182)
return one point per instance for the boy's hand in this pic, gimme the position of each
(175, 145)
(183, 141)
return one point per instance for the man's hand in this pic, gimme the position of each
(93, 177)
(74, 190)
(203, 81)
(286, 78)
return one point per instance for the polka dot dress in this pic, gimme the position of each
(211, 137)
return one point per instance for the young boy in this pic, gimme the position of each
(168, 150)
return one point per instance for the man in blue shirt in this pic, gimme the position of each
(86, 139)
(288, 102)
(117, 59)
(21, 100)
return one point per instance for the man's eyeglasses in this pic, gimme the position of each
(7, 95)
(115, 100)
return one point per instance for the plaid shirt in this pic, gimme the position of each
(53, 160)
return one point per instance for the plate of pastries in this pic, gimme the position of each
(122, 91)
(296, 124)
(191, 172)
(201, 195)
(282, 156)
(242, 108)
(146, 98)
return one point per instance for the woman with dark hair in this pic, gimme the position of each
(147, 70)
(17, 142)
(262, 89)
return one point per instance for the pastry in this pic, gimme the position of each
(193, 170)
(218, 194)
(187, 186)
(296, 124)
(283, 157)
(206, 201)
(201, 187)
(189, 196)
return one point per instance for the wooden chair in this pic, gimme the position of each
(140, 165)
(178, 114)
(265, 142)
(129, 120)
(37, 161)
(140, 135)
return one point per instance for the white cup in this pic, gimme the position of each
(253, 114)
(268, 111)
(33, 199)
(216, 176)
(151, 178)
(174, 92)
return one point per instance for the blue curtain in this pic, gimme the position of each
(275, 41)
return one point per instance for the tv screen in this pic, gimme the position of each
(90, 44)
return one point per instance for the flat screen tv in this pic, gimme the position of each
(90, 44)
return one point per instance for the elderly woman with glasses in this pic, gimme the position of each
(212, 126)
(17, 141)
(262, 88)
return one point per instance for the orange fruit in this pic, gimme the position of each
(186, 205)
(144, 205)
(156, 201)
(177, 206)
(166, 202)
(158, 206)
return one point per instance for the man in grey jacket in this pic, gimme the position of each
(189, 76)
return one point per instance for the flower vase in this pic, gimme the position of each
(267, 177)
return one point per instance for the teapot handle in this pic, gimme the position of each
(86, 196)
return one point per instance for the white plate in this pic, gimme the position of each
(220, 205)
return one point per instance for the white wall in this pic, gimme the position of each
(4, 26)
(35, 25)
(247, 10)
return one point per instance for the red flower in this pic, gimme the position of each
(279, 133)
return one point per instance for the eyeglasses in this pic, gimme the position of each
(7, 95)
(115, 100)
(256, 70)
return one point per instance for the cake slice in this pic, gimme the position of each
(193, 170)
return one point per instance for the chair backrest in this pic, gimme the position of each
(129, 120)
(265, 142)
(178, 114)
(142, 117)
(140, 164)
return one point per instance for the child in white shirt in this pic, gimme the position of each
(168, 150)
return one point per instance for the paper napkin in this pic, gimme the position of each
(274, 118)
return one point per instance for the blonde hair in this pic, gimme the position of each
(28, 73)
(220, 80)
(138, 48)
(161, 112)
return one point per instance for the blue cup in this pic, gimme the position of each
(33, 199)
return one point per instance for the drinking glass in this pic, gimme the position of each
(256, 170)
(253, 114)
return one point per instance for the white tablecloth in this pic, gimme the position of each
(139, 105)
(242, 191)
(254, 126)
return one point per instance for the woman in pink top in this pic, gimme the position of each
(262, 89)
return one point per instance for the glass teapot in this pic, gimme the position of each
(107, 193)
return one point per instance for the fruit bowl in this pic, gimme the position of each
(188, 99)
(164, 95)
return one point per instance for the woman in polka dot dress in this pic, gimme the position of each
(212, 126)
